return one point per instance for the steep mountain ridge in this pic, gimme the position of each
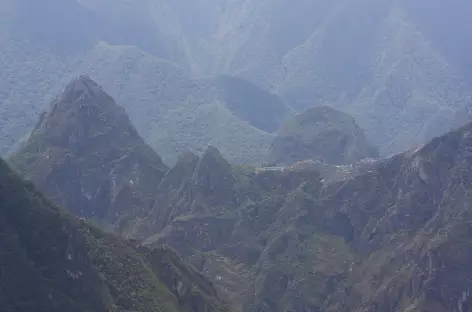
(414, 233)
(51, 261)
(86, 156)
(204, 210)
(392, 235)
(377, 235)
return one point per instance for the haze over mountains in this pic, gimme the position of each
(398, 67)
(173, 111)
(220, 155)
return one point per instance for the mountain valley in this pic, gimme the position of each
(235, 155)
(377, 235)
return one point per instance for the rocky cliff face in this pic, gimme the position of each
(392, 235)
(227, 220)
(194, 186)
(324, 134)
(411, 216)
(51, 261)
(85, 155)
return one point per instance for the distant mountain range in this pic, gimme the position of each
(172, 110)
(398, 67)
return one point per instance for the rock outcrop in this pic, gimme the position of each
(196, 185)
(411, 215)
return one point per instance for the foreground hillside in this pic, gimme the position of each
(51, 261)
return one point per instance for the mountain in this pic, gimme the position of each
(400, 87)
(400, 72)
(51, 261)
(220, 217)
(257, 233)
(171, 109)
(321, 133)
(410, 216)
(175, 113)
(85, 155)
(391, 235)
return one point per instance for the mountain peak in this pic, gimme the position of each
(211, 165)
(321, 133)
(82, 111)
(212, 151)
(87, 156)
(81, 88)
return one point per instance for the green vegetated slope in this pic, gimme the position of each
(393, 236)
(390, 234)
(411, 216)
(86, 156)
(172, 111)
(321, 133)
(399, 67)
(223, 218)
(385, 235)
(51, 261)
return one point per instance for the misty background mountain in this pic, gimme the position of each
(235, 152)
(228, 73)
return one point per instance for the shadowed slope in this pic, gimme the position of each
(51, 261)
